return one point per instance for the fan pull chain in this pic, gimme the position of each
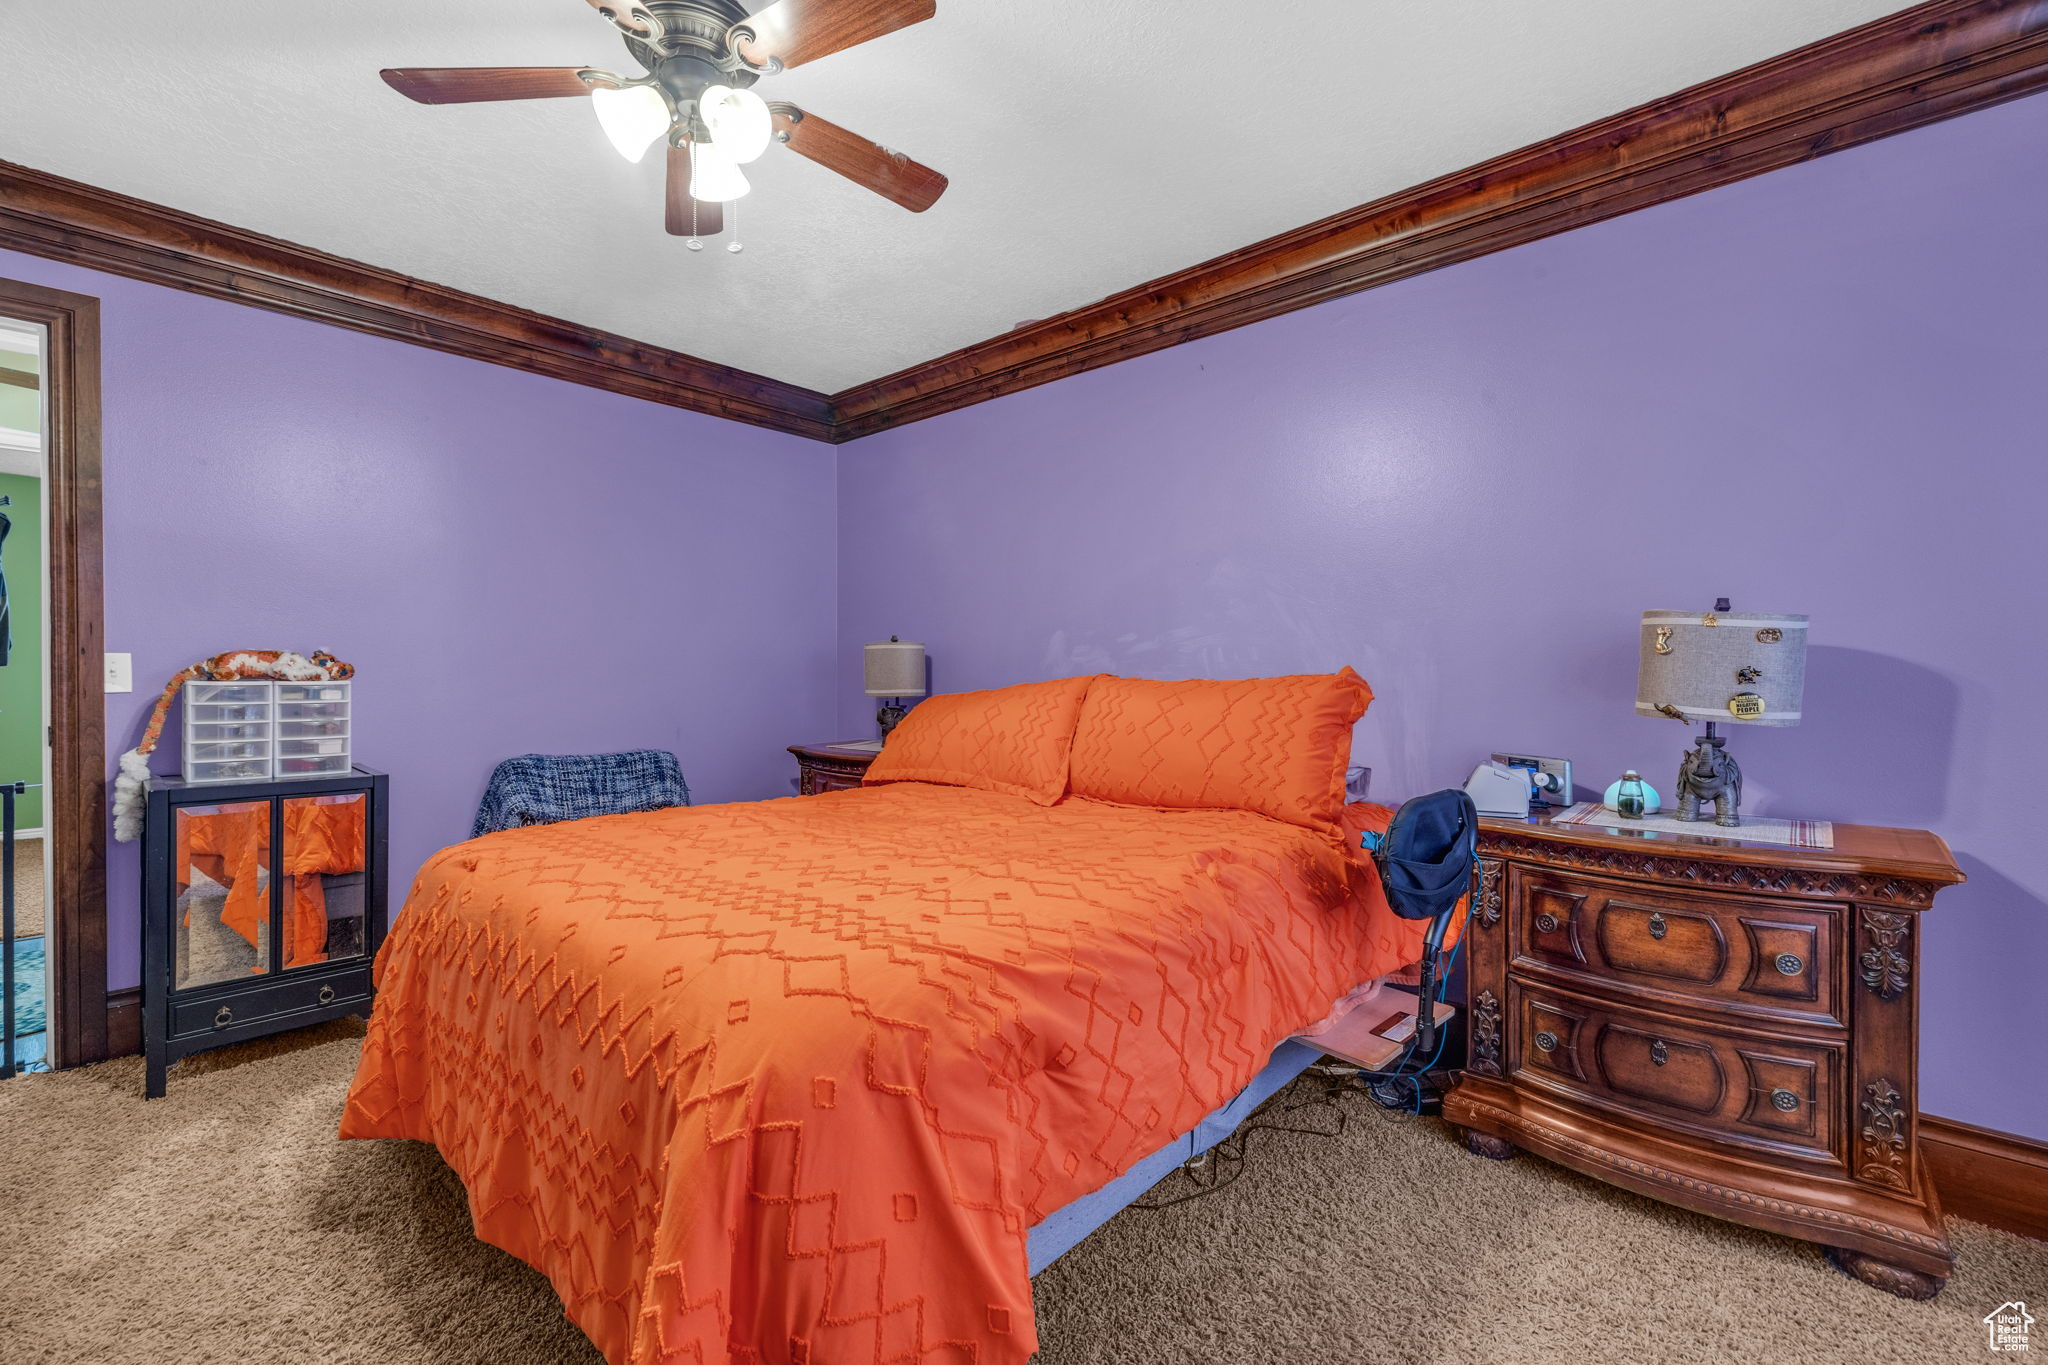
(732, 222)
(696, 244)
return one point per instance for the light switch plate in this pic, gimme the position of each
(120, 672)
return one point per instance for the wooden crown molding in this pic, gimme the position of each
(46, 215)
(1931, 62)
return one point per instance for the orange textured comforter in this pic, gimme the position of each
(323, 836)
(789, 1081)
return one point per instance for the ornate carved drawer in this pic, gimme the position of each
(1774, 1094)
(1770, 957)
(1724, 1025)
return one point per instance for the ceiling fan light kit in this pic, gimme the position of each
(714, 178)
(738, 121)
(633, 117)
(701, 57)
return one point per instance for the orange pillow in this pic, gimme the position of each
(1277, 746)
(1011, 739)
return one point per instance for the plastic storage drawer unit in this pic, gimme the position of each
(312, 729)
(228, 728)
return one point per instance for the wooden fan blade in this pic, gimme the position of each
(892, 175)
(469, 84)
(799, 31)
(710, 217)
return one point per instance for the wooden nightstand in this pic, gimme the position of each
(831, 767)
(1726, 1026)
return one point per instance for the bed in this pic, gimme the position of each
(796, 1080)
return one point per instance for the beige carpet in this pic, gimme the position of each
(226, 1223)
(28, 888)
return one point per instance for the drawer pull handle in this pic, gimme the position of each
(1790, 964)
(223, 1016)
(1659, 1053)
(1546, 1041)
(1784, 1100)
(327, 995)
(1546, 923)
(1657, 926)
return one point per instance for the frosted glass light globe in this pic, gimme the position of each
(739, 121)
(714, 178)
(632, 118)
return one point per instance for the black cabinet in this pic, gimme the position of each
(262, 905)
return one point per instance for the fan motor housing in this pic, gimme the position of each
(694, 38)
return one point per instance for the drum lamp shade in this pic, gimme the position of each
(895, 668)
(1740, 668)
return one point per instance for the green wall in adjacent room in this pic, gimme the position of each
(21, 681)
(20, 408)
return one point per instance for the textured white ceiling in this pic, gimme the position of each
(1092, 145)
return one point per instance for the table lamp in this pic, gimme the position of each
(895, 670)
(1721, 667)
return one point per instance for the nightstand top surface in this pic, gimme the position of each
(1917, 854)
(838, 748)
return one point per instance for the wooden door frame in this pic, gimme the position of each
(76, 808)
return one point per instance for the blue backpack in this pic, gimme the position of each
(1425, 862)
(1425, 858)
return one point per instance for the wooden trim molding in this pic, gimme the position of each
(1927, 63)
(1931, 62)
(124, 1022)
(1987, 1176)
(77, 806)
(46, 215)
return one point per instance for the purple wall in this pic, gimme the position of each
(513, 563)
(1818, 391)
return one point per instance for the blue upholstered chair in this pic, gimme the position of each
(541, 789)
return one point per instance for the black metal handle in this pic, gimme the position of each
(223, 1016)
(1657, 926)
(1784, 1100)
(1659, 1054)
(1790, 964)
(1546, 923)
(1546, 1041)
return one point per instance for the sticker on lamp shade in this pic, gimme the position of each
(1746, 706)
(1710, 620)
(1769, 635)
(1663, 639)
(1748, 673)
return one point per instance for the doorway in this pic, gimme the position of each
(24, 692)
(52, 724)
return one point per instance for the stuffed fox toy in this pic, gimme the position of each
(280, 664)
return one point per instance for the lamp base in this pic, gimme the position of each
(889, 717)
(1709, 772)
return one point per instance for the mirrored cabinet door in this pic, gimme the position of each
(326, 842)
(221, 917)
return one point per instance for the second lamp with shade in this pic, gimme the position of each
(894, 670)
(1721, 667)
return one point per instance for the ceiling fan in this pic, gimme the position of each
(701, 58)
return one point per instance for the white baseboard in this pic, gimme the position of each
(21, 834)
